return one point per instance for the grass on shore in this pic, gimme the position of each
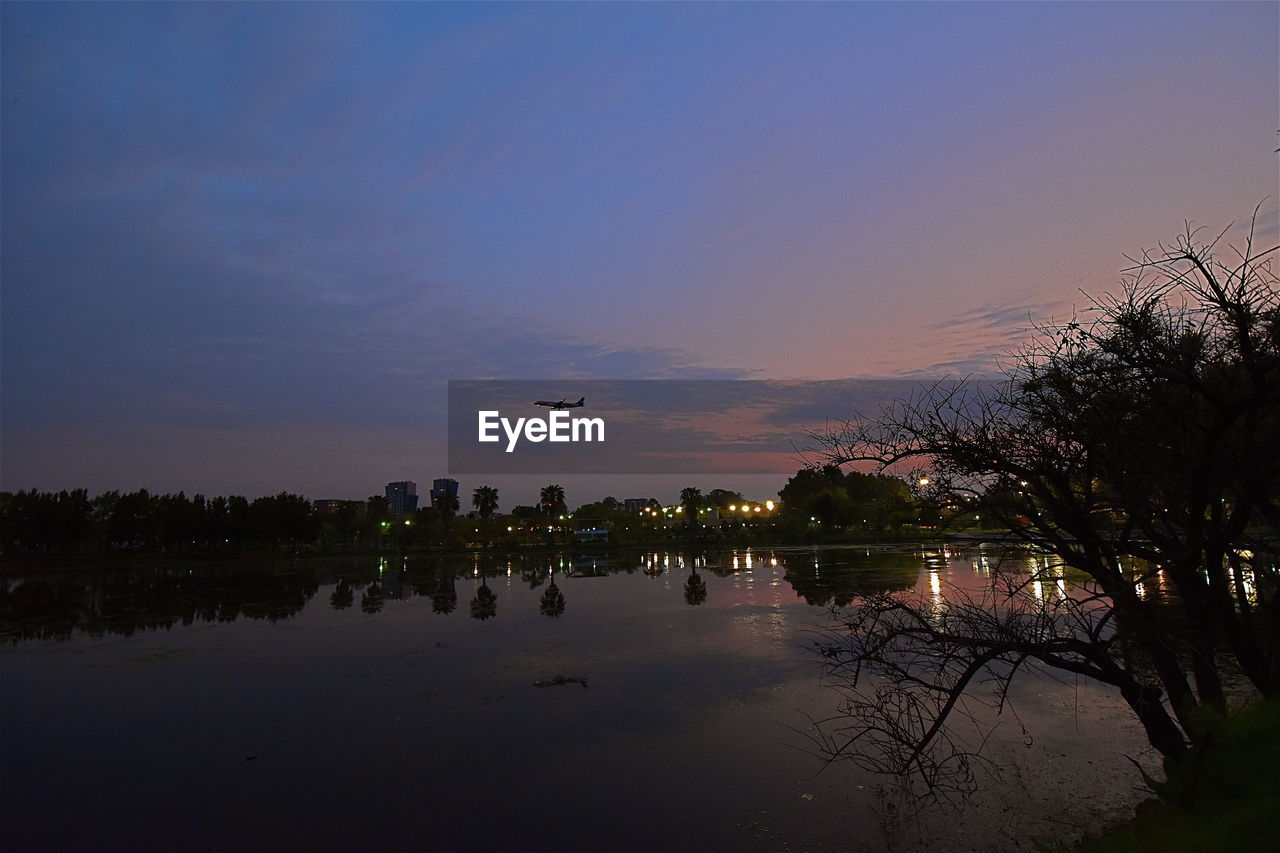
(1223, 796)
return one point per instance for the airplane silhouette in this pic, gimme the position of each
(582, 401)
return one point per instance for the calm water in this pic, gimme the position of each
(371, 704)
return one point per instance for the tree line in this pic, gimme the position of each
(71, 522)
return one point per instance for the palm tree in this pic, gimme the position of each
(485, 500)
(553, 499)
(691, 500)
(447, 506)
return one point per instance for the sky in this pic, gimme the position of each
(244, 247)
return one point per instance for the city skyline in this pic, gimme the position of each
(246, 246)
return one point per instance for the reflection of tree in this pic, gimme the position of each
(57, 605)
(372, 599)
(695, 589)
(485, 604)
(552, 601)
(343, 595)
(720, 564)
(852, 576)
(534, 575)
(445, 596)
(652, 565)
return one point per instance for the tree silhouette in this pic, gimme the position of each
(485, 500)
(485, 604)
(445, 597)
(695, 589)
(552, 603)
(372, 599)
(691, 500)
(343, 595)
(552, 500)
(1148, 431)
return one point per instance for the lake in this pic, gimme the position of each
(620, 701)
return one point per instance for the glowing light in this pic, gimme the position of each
(769, 505)
(733, 507)
(924, 481)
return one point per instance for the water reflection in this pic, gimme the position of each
(444, 596)
(485, 604)
(700, 653)
(823, 579)
(372, 599)
(552, 604)
(343, 595)
(695, 589)
(57, 605)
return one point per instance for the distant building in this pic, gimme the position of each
(443, 487)
(593, 533)
(328, 506)
(635, 505)
(402, 496)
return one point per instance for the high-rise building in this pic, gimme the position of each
(443, 487)
(402, 496)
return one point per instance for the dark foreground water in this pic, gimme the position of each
(370, 704)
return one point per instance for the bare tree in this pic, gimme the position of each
(1138, 438)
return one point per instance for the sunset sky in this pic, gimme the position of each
(245, 246)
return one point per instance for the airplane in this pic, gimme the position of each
(582, 401)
